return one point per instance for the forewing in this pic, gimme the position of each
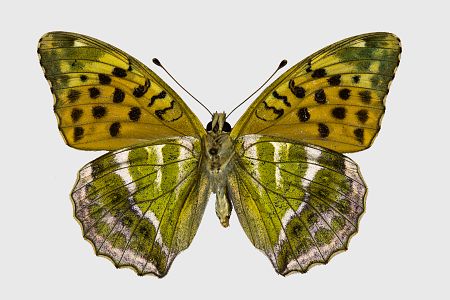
(107, 100)
(334, 98)
(297, 203)
(141, 206)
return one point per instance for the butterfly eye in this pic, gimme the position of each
(226, 127)
(209, 126)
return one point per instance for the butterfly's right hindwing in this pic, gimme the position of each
(297, 203)
(142, 206)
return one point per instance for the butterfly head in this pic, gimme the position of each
(218, 143)
(218, 124)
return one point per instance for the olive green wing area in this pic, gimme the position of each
(107, 100)
(334, 98)
(141, 206)
(297, 203)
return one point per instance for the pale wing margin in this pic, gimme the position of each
(141, 206)
(299, 204)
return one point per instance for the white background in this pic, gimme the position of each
(221, 53)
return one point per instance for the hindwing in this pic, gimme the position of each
(141, 206)
(297, 203)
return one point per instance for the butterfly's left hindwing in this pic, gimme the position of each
(297, 203)
(141, 206)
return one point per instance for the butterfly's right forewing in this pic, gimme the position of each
(333, 98)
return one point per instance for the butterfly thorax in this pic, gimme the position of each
(219, 152)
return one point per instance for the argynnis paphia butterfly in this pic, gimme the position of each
(297, 197)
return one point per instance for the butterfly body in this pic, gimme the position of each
(219, 152)
(281, 167)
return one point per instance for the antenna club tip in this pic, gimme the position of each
(156, 62)
(282, 64)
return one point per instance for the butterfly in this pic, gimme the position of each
(281, 167)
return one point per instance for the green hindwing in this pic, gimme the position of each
(141, 206)
(297, 203)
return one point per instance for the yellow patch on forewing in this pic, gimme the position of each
(78, 43)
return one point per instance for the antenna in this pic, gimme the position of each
(281, 65)
(158, 63)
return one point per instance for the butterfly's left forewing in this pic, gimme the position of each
(141, 206)
(105, 99)
(297, 203)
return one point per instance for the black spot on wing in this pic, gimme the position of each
(114, 129)
(83, 78)
(323, 129)
(73, 95)
(139, 91)
(344, 94)
(356, 78)
(94, 92)
(365, 96)
(134, 114)
(334, 80)
(161, 95)
(319, 73)
(339, 112)
(308, 68)
(280, 97)
(303, 114)
(119, 72)
(362, 115)
(76, 114)
(359, 134)
(320, 96)
(98, 112)
(78, 133)
(298, 91)
(118, 96)
(104, 79)
(161, 112)
(278, 112)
